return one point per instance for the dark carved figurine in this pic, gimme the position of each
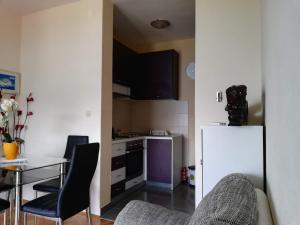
(237, 105)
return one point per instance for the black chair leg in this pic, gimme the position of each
(25, 218)
(10, 199)
(35, 196)
(88, 213)
(60, 222)
(5, 217)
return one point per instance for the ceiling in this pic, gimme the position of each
(24, 7)
(131, 17)
(132, 20)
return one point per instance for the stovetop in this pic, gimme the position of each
(127, 135)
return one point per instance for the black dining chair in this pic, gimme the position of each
(7, 188)
(53, 185)
(74, 196)
(4, 205)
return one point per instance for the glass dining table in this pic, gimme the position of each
(32, 170)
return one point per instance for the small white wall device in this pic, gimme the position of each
(219, 96)
(190, 70)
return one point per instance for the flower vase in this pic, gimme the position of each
(11, 150)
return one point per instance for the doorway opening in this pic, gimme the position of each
(153, 103)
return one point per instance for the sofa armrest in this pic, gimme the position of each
(142, 213)
(264, 214)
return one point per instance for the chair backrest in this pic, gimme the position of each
(72, 141)
(74, 196)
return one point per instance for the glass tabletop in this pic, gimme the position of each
(32, 170)
(32, 163)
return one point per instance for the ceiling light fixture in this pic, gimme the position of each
(160, 24)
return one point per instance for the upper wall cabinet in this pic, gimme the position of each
(150, 76)
(156, 76)
(123, 64)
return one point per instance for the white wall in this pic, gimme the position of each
(61, 66)
(10, 40)
(281, 69)
(228, 52)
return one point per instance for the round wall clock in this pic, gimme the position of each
(190, 70)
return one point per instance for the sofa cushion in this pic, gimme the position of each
(231, 202)
(144, 213)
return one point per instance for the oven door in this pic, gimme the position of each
(134, 163)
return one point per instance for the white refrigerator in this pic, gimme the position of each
(228, 149)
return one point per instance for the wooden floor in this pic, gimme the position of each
(79, 219)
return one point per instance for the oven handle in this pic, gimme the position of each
(132, 151)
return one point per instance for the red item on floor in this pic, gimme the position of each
(184, 177)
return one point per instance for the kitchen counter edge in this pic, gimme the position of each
(169, 137)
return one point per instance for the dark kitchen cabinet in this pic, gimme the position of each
(117, 162)
(124, 60)
(117, 189)
(150, 76)
(156, 76)
(159, 161)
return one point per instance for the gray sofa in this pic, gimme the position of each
(232, 201)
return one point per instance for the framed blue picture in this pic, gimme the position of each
(9, 82)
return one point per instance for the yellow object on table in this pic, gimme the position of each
(11, 150)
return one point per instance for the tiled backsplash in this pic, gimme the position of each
(122, 114)
(169, 115)
(140, 116)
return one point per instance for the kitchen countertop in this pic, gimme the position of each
(168, 137)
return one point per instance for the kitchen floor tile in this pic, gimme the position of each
(181, 199)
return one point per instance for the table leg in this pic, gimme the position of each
(62, 173)
(18, 197)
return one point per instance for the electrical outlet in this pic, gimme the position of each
(219, 96)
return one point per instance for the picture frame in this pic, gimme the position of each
(9, 82)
